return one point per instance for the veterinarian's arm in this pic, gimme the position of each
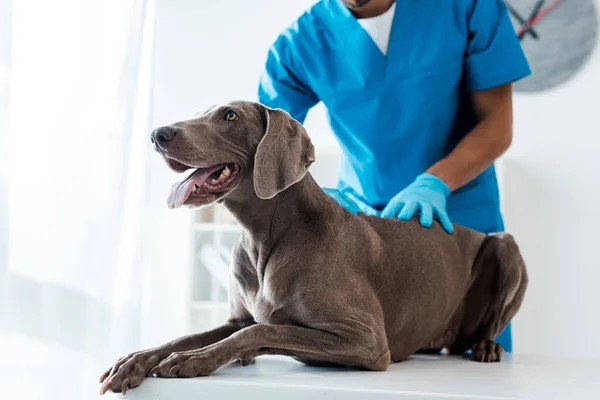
(485, 143)
(473, 154)
(283, 87)
(493, 59)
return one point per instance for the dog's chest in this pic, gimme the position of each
(266, 303)
(263, 286)
(266, 311)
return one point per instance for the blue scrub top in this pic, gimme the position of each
(395, 115)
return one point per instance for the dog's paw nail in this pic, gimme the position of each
(104, 376)
(174, 369)
(104, 387)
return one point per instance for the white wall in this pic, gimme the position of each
(552, 205)
(208, 52)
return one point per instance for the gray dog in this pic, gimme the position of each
(312, 281)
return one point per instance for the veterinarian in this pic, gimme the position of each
(419, 97)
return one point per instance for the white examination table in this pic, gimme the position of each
(421, 377)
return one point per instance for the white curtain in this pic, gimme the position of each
(75, 269)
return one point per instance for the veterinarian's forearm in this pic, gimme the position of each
(490, 138)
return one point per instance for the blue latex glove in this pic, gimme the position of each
(426, 195)
(351, 205)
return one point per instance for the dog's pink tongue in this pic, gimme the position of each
(181, 191)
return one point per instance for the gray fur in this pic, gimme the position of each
(314, 282)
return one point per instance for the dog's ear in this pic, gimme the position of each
(282, 156)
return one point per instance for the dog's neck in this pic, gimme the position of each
(301, 203)
(301, 208)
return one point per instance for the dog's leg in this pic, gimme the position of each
(486, 351)
(348, 349)
(130, 370)
(504, 278)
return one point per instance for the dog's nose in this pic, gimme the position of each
(163, 135)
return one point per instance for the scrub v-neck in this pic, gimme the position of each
(379, 27)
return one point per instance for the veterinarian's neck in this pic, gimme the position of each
(302, 203)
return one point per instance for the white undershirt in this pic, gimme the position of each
(379, 28)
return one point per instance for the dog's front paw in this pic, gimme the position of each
(487, 351)
(188, 365)
(129, 371)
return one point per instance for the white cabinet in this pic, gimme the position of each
(214, 235)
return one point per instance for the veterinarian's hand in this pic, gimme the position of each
(427, 196)
(349, 204)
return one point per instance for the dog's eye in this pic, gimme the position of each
(231, 116)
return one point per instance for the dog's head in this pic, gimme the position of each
(235, 145)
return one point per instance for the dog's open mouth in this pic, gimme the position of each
(202, 186)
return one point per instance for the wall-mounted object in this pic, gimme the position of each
(558, 37)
